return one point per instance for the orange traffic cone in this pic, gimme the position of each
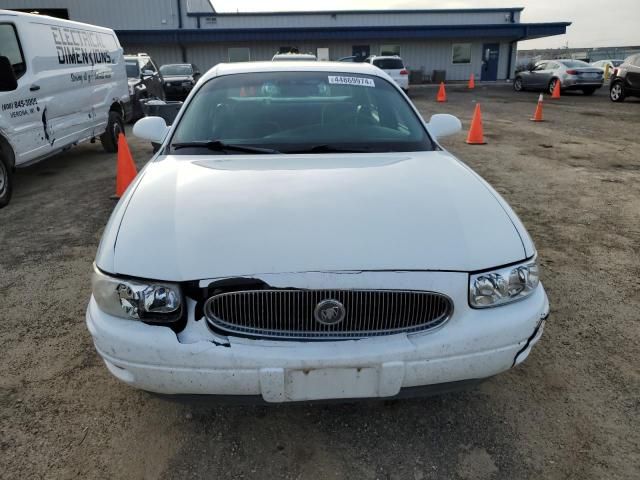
(476, 137)
(126, 169)
(472, 82)
(556, 90)
(537, 116)
(442, 93)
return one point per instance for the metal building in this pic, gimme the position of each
(482, 41)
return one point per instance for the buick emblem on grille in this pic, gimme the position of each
(329, 312)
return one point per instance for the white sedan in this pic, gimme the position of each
(302, 235)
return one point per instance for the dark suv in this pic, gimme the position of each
(145, 81)
(625, 81)
(179, 79)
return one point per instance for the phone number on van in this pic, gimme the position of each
(27, 102)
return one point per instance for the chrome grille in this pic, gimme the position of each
(289, 314)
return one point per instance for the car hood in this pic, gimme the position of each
(197, 217)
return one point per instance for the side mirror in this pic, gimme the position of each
(443, 125)
(153, 129)
(146, 73)
(8, 80)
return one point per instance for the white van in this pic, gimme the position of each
(61, 83)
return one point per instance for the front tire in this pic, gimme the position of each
(6, 181)
(115, 126)
(517, 84)
(616, 92)
(552, 85)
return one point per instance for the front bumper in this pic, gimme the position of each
(473, 344)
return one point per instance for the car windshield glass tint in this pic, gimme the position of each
(169, 70)
(132, 69)
(389, 63)
(574, 63)
(616, 63)
(299, 111)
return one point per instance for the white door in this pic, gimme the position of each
(323, 54)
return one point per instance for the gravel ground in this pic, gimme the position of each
(570, 412)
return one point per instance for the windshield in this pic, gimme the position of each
(169, 70)
(574, 63)
(616, 63)
(133, 71)
(298, 111)
(388, 63)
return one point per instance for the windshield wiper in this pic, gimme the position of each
(219, 146)
(327, 148)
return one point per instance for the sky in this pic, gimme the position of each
(594, 23)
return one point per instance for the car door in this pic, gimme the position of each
(22, 110)
(549, 71)
(633, 75)
(151, 78)
(534, 77)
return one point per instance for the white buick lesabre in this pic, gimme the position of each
(302, 235)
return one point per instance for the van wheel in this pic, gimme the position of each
(115, 126)
(6, 181)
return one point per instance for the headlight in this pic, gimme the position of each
(490, 289)
(152, 301)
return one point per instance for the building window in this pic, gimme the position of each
(390, 50)
(239, 54)
(461, 53)
(210, 20)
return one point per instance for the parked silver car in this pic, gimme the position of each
(572, 75)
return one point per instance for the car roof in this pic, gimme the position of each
(311, 66)
(384, 57)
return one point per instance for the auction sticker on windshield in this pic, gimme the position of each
(362, 82)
